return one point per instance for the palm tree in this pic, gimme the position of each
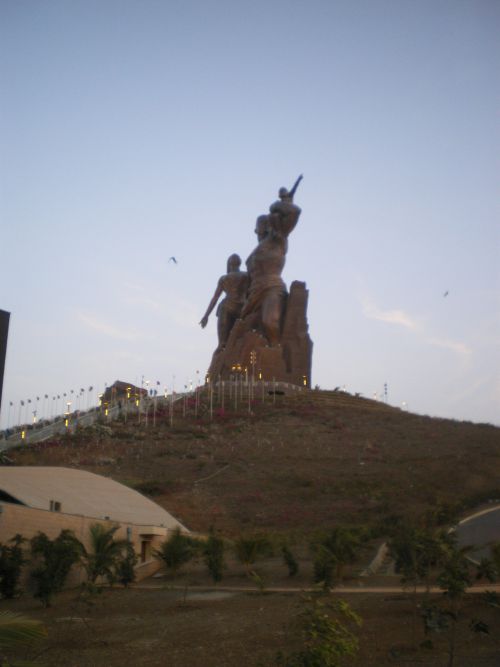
(248, 549)
(105, 553)
(177, 550)
(17, 631)
(343, 544)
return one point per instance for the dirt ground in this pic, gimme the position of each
(290, 468)
(175, 628)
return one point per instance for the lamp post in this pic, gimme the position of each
(66, 416)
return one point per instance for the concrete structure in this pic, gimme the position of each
(4, 332)
(50, 499)
(247, 350)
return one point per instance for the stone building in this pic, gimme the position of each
(50, 499)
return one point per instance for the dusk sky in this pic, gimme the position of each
(133, 131)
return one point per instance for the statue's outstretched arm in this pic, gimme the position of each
(212, 303)
(284, 217)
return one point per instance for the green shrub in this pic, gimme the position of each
(325, 629)
(54, 561)
(177, 550)
(324, 565)
(11, 562)
(249, 549)
(125, 568)
(290, 560)
(213, 555)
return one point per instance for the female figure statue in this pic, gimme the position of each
(235, 285)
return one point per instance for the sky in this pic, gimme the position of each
(132, 131)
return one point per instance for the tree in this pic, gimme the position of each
(102, 559)
(343, 543)
(416, 552)
(213, 555)
(454, 580)
(177, 550)
(332, 552)
(248, 549)
(125, 568)
(54, 561)
(324, 566)
(327, 637)
(290, 560)
(11, 562)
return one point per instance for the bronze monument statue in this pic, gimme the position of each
(262, 328)
(235, 285)
(265, 264)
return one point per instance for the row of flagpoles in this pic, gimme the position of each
(48, 406)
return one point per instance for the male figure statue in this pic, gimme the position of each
(267, 293)
(235, 285)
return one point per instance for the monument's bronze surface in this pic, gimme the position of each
(235, 285)
(262, 328)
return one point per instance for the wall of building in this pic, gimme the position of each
(28, 522)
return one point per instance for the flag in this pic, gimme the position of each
(38, 398)
(22, 402)
(91, 388)
(46, 395)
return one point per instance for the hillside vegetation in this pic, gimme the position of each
(291, 463)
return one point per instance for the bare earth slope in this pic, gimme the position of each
(292, 463)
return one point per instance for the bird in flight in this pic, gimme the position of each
(446, 293)
(172, 259)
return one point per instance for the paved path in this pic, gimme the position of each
(343, 590)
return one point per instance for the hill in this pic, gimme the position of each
(290, 463)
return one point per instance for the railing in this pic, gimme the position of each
(224, 394)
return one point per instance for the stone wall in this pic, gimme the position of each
(28, 522)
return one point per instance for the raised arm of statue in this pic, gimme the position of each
(218, 291)
(284, 213)
(284, 217)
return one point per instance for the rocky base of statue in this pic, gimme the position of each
(248, 352)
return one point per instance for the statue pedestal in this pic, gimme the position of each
(248, 351)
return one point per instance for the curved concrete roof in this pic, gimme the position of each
(82, 493)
